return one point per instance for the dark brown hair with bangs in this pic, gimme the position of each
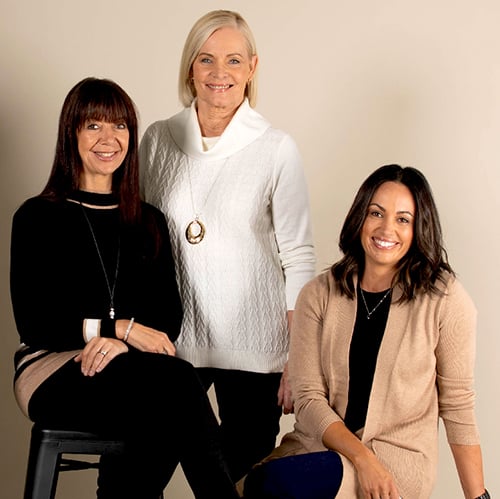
(426, 259)
(104, 100)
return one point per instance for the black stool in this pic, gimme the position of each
(45, 457)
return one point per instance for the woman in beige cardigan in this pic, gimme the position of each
(382, 345)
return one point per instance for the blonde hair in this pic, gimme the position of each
(199, 34)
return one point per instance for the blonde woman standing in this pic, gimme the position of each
(233, 190)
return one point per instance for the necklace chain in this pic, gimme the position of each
(111, 289)
(368, 312)
(197, 214)
(195, 230)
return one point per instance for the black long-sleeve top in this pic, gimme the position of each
(57, 280)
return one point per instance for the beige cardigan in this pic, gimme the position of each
(424, 370)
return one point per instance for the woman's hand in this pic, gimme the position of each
(285, 398)
(375, 481)
(145, 339)
(98, 353)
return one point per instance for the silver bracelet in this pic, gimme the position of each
(127, 331)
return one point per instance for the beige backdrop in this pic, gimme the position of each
(358, 84)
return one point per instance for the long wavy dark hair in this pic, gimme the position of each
(104, 100)
(426, 259)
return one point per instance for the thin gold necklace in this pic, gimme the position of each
(195, 230)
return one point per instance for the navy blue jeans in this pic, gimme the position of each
(316, 475)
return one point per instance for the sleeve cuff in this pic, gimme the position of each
(91, 329)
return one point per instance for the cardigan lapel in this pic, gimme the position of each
(390, 348)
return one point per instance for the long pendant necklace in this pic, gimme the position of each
(368, 312)
(111, 289)
(195, 230)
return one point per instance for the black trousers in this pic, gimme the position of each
(249, 415)
(157, 405)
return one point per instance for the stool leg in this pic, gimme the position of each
(42, 472)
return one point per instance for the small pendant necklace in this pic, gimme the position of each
(195, 230)
(111, 289)
(368, 312)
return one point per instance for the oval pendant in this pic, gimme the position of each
(195, 232)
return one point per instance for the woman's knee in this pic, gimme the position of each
(316, 475)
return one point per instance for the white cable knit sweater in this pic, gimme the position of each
(250, 193)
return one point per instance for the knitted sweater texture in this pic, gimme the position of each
(250, 193)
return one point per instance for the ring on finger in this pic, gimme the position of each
(103, 353)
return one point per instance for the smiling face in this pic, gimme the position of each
(222, 69)
(387, 232)
(102, 147)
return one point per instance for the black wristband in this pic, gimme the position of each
(486, 495)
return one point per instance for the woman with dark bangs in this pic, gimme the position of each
(97, 309)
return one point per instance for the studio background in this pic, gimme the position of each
(357, 83)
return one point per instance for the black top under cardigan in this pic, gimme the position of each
(365, 345)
